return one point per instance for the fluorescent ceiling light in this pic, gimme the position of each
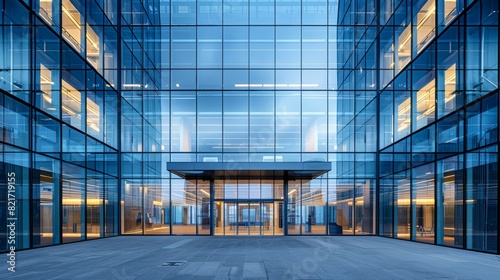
(275, 85)
(132, 85)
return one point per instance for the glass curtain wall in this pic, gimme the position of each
(246, 82)
(218, 82)
(355, 143)
(438, 129)
(59, 120)
(401, 96)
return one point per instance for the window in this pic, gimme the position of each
(72, 25)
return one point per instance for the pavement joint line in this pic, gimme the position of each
(177, 244)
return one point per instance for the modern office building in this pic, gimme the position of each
(249, 117)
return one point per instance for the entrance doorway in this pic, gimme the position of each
(248, 207)
(255, 198)
(244, 217)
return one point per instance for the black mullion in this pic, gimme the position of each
(119, 125)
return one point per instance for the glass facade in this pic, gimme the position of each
(437, 92)
(400, 96)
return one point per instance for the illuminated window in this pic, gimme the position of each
(71, 19)
(71, 104)
(450, 10)
(46, 84)
(426, 105)
(426, 23)
(404, 117)
(450, 87)
(423, 203)
(45, 10)
(93, 116)
(404, 47)
(93, 47)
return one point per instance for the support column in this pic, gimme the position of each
(285, 204)
(212, 210)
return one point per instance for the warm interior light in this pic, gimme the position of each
(47, 98)
(426, 104)
(92, 40)
(70, 16)
(79, 201)
(46, 86)
(71, 99)
(46, 10)
(92, 107)
(405, 41)
(450, 7)
(204, 192)
(157, 203)
(404, 114)
(71, 25)
(416, 201)
(93, 49)
(404, 48)
(68, 110)
(93, 115)
(46, 82)
(403, 126)
(93, 126)
(426, 24)
(430, 12)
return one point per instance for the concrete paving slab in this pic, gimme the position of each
(252, 257)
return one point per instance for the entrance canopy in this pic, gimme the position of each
(249, 170)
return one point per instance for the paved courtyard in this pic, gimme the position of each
(285, 257)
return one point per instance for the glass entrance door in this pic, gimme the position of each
(243, 218)
(267, 211)
(230, 218)
(246, 218)
(250, 218)
(254, 218)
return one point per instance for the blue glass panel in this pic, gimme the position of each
(262, 47)
(314, 12)
(209, 79)
(183, 79)
(235, 46)
(288, 47)
(183, 47)
(261, 12)
(235, 12)
(209, 52)
(314, 47)
(288, 11)
(210, 12)
(183, 11)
